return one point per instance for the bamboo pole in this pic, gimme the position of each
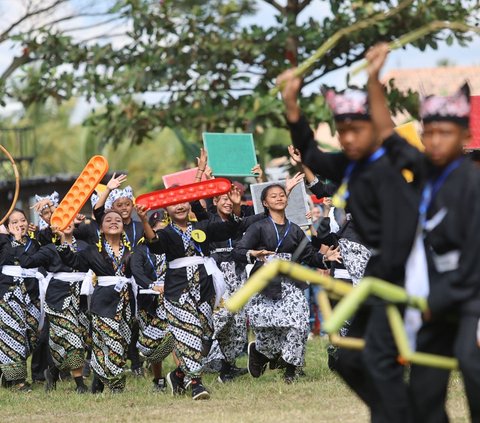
(335, 38)
(417, 34)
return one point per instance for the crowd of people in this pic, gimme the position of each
(110, 288)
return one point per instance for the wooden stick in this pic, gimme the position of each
(17, 183)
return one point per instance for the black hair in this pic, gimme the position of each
(108, 211)
(157, 216)
(264, 194)
(17, 210)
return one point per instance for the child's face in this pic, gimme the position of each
(357, 137)
(444, 141)
(124, 206)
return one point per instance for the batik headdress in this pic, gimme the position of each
(54, 198)
(455, 108)
(116, 194)
(350, 104)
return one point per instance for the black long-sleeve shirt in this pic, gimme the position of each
(383, 206)
(105, 299)
(262, 236)
(48, 258)
(9, 255)
(145, 270)
(170, 243)
(457, 232)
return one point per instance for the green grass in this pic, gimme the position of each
(319, 397)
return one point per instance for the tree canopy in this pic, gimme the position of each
(199, 65)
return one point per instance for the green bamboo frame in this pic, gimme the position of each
(353, 298)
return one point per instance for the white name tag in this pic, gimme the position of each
(446, 262)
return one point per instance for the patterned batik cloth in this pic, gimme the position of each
(111, 338)
(281, 326)
(355, 258)
(68, 331)
(190, 321)
(155, 342)
(230, 328)
(19, 321)
(191, 324)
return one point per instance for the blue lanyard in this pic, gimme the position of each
(188, 239)
(280, 241)
(29, 244)
(117, 263)
(153, 266)
(134, 235)
(353, 165)
(433, 186)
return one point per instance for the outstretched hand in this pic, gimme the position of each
(57, 232)
(202, 160)
(142, 212)
(291, 183)
(235, 195)
(261, 255)
(295, 154)
(289, 85)
(333, 254)
(115, 182)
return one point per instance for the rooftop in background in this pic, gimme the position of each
(444, 80)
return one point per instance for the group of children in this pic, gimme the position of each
(160, 284)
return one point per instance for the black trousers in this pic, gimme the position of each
(132, 353)
(41, 354)
(428, 386)
(374, 373)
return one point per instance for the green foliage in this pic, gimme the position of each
(203, 69)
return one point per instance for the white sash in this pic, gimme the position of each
(211, 268)
(20, 272)
(416, 283)
(113, 280)
(87, 284)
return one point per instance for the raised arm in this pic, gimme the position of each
(400, 152)
(329, 165)
(112, 184)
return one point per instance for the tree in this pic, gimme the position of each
(194, 65)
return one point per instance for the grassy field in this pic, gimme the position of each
(319, 396)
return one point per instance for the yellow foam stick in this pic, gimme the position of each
(80, 192)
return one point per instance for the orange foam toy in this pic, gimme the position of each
(185, 193)
(80, 192)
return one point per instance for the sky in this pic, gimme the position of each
(408, 58)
